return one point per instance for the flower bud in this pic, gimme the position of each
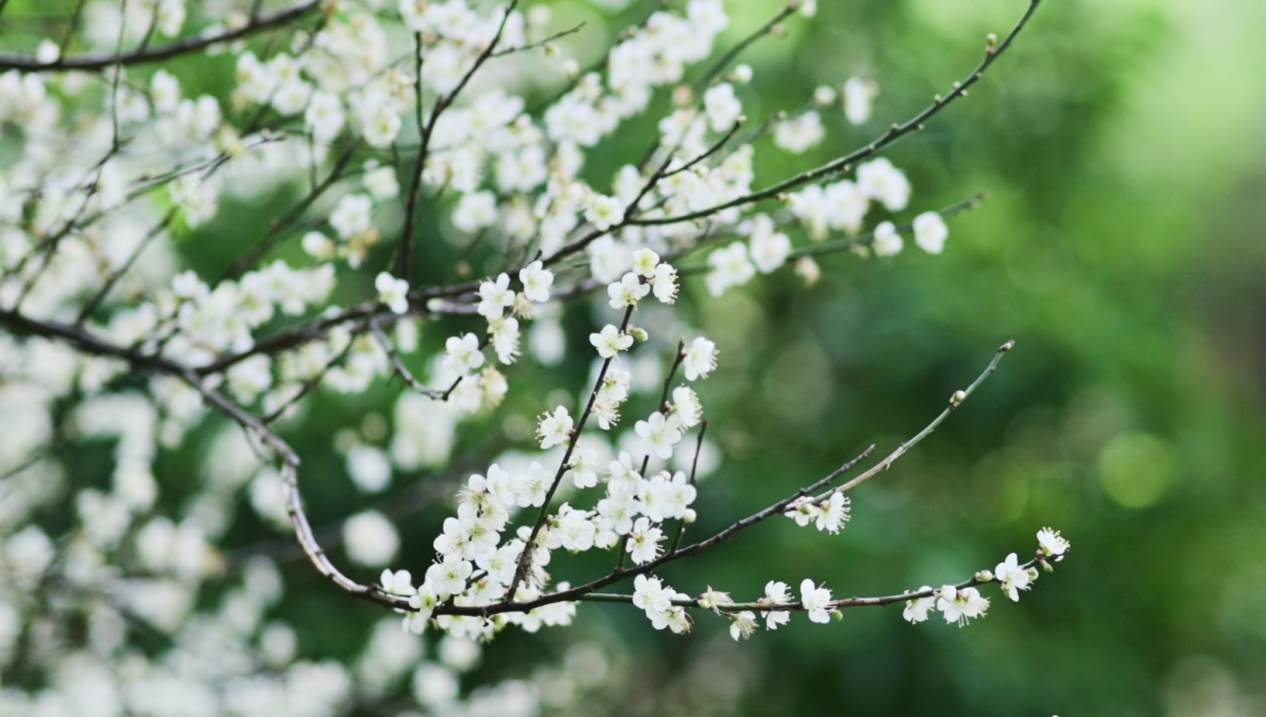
(958, 397)
(690, 516)
(638, 333)
(984, 576)
(808, 270)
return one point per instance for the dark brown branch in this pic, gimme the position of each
(140, 56)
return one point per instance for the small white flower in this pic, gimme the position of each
(462, 354)
(816, 601)
(687, 407)
(798, 134)
(769, 249)
(660, 433)
(536, 281)
(603, 211)
(649, 594)
(495, 297)
(352, 216)
(917, 609)
(1052, 543)
(930, 232)
(643, 543)
(857, 100)
(742, 625)
(714, 600)
(610, 341)
(393, 292)
(554, 429)
(530, 488)
(887, 241)
(1011, 577)
(664, 283)
(722, 107)
(700, 359)
(627, 291)
(884, 183)
(776, 593)
(397, 583)
(961, 606)
(728, 267)
(644, 263)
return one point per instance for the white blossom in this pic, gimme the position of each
(536, 281)
(610, 341)
(700, 359)
(816, 601)
(393, 292)
(930, 232)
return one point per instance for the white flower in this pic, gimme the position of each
(554, 428)
(1052, 543)
(370, 539)
(584, 468)
(382, 124)
(617, 510)
(722, 107)
(381, 182)
(644, 263)
(816, 601)
(664, 283)
(397, 583)
(536, 281)
(393, 292)
(352, 215)
(603, 211)
(700, 359)
(930, 232)
(610, 341)
(961, 606)
(505, 338)
(674, 618)
(627, 291)
(834, 513)
(857, 100)
(660, 433)
(728, 267)
(369, 468)
(884, 183)
(798, 134)
(643, 543)
(776, 593)
(448, 577)
(742, 625)
(462, 354)
(1011, 577)
(665, 497)
(917, 609)
(887, 241)
(714, 600)
(687, 407)
(474, 211)
(324, 116)
(769, 249)
(530, 488)
(650, 595)
(495, 297)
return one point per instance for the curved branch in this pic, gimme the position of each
(142, 56)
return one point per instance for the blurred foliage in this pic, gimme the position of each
(1121, 145)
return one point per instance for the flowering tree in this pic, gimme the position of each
(383, 119)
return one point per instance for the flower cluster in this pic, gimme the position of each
(405, 140)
